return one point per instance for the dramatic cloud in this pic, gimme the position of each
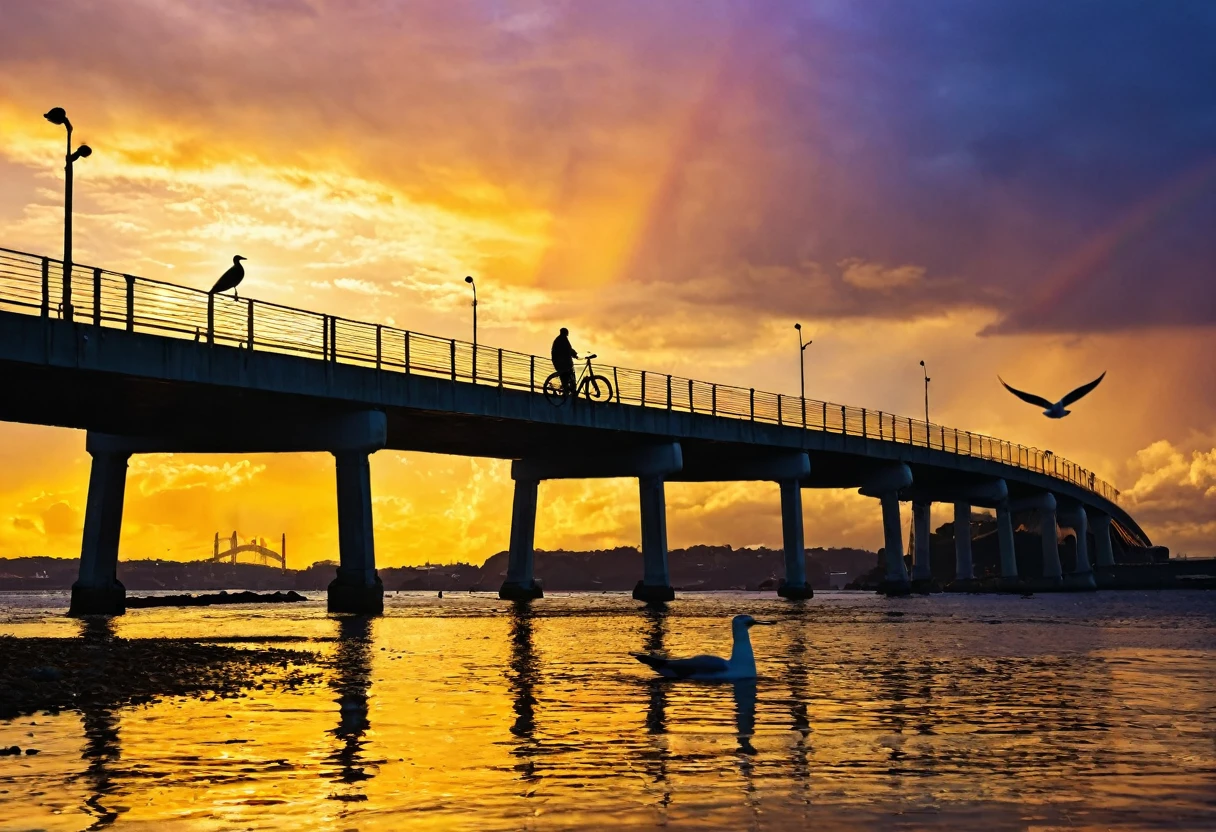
(676, 182)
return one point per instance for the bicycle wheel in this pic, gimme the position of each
(598, 389)
(555, 394)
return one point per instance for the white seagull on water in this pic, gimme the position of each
(1054, 410)
(742, 663)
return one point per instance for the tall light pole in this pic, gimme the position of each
(926, 372)
(469, 280)
(802, 371)
(56, 115)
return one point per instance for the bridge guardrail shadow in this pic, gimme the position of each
(37, 286)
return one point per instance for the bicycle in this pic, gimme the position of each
(595, 387)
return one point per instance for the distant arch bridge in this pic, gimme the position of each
(255, 547)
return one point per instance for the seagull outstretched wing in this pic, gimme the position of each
(682, 668)
(1081, 391)
(1031, 398)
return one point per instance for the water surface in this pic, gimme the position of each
(1056, 711)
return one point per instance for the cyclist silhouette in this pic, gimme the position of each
(563, 356)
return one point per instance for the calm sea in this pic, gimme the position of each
(965, 712)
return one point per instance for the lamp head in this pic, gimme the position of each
(798, 327)
(82, 152)
(469, 279)
(922, 363)
(56, 115)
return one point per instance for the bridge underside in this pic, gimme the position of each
(223, 399)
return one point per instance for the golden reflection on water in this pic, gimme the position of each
(1070, 711)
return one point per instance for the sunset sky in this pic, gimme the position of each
(1012, 186)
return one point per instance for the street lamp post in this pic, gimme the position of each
(469, 280)
(56, 115)
(802, 345)
(926, 372)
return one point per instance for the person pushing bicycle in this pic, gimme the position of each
(563, 356)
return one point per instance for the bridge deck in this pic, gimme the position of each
(127, 355)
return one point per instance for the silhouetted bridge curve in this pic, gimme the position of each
(138, 363)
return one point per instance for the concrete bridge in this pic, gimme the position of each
(139, 364)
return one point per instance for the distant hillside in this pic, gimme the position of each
(695, 568)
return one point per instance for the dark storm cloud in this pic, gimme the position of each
(1051, 160)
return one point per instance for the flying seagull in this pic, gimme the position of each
(231, 278)
(742, 663)
(1057, 410)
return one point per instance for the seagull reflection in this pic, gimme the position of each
(521, 679)
(351, 682)
(102, 748)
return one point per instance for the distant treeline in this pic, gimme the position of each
(694, 568)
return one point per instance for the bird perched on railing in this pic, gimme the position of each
(231, 278)
(1054, 410)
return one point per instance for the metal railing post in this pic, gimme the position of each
(691, 408)
(130, 303)
(643, 388)
(210, 319)
(474, 377)
(333, 338)
(669, 391)
(616, 385)
(500, 366)
(531, 373)
(863, 424)
(378, 346)
(67, 292)
(97, 297)
(249, 325)
(779, 409)
(407, 352)
(803, 400)
(844, 422)
(713, 399)
(751, 398)
(453, 343)
(46, 287)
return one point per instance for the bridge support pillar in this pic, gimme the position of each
(922, 572)
(357, 587)
(1104, 552)
(794, 585)
(97, 590)
(655, 586)
(896, 580)
(1004, 541)
(1082, 577)
(964, 568)
(520, 584)
(1051, 548)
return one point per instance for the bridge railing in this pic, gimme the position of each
(36, 285)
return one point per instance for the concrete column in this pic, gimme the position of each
(1004, 539)
(1051, 546)
(921, 568)
(1105, 552)
(97, 590)
(520, 584)
(896, 580)
(794, 585)
(655, 586)
(964, 569)
(1083, 576)
(357, 588)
